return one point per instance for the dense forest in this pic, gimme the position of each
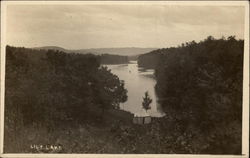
(113, 59)
(104, 58)
(50, 88)
(200, 88)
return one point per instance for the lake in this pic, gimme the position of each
(137, 82)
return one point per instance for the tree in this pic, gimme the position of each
(146, 101)
(199, 86)
(108, 89)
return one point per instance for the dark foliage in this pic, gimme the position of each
(46, 88)
(146, 102)
(149, 60)
(113, 59)
(200, 88)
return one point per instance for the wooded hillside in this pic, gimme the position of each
(200, 88)
(47, 88)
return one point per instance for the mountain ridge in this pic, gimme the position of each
(126, 51)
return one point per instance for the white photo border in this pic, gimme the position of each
(245, 107)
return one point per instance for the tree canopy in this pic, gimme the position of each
(200, 87)
(47, 86)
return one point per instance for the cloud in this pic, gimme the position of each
(86, 26)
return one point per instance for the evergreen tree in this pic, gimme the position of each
(146, 101)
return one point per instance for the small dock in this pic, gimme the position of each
(142, 118)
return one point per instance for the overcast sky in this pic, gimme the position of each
(98, 26)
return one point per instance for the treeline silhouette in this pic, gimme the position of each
(48, 88)
(199, 86)
(113, 59)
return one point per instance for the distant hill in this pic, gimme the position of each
(130, 51)
(126, 51)
(52, 47)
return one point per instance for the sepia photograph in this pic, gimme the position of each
(128, 77)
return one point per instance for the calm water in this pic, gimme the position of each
(137, 82)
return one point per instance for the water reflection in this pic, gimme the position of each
(137, 82)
